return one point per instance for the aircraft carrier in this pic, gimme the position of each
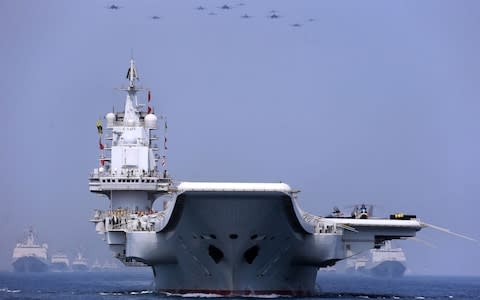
(214, 237)
(29, 256)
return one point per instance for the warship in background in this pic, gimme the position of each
(60, 262)
(223, 238)
(96, 267)
(80, 264)
(108, 266)
(28, 256)
(385, 261)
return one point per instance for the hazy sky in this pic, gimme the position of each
(373, 101)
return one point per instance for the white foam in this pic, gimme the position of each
(267, 296)
(193, 295)
(7, 290)
(200, 295)
(213, 295)
(110, 294)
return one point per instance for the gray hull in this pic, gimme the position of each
(244, 243)
(59, 267)
(232, 244)
(30, 264)
(391, 269)
(79, 268)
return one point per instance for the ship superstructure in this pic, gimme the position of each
(216, 237)
(387, 261)
(29, 256)
(60, 262)
(80, 263)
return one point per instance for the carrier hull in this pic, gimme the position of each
(240, 243)
(235, 245)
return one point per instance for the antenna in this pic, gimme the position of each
(450, 232)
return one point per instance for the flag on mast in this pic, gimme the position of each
(99, 126)
(149, 98)
(164, 161)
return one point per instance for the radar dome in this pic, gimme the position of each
(150, 121)
(110, 119)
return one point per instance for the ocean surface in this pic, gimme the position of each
(139, 285)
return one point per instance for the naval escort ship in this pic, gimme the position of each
(223, 238)
(385, 262)
(60, 262)
(80, 263)
(29, 256)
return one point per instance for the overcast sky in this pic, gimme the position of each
(371, 101)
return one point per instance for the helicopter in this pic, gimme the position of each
(362, 211)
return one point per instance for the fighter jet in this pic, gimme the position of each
(200, 7)
(155, 17)
(311, 20)
(114, 7)
(273, 15)
(212, 13)
(246, 16)
(296, 25)
(225, 6)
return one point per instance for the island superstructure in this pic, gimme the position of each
(29, 256)
(215, 237)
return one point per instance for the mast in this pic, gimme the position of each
(131, 111)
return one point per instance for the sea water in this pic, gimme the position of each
(139, 285)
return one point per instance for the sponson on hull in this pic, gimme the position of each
(215, 237)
